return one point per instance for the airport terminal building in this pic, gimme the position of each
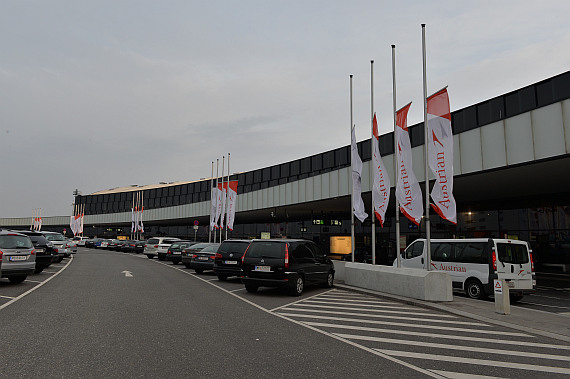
(511, 167)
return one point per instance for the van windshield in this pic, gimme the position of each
(513, 253)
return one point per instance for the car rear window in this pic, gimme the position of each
(152, 241)
(15, 242)
(512, 253)
(266, 250)
(211, 248)
(169, 241)
(233, 247)
(55, 237)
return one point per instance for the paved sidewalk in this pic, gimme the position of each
(546, 324)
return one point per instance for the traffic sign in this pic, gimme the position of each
(498, 287)
(195, 222)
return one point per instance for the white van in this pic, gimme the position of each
(474, 263)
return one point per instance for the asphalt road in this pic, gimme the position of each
(107, 314)
(94, 321)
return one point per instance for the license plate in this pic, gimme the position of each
(230, 262)
(262, 268)
(40, 250)
(176, 253)
(202, 258)
(18, 258)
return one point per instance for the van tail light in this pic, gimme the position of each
(286, 255)
(531, 263)
(494, 260)
(244, 253)
(218, 256)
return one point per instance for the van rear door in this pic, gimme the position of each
(513, 263)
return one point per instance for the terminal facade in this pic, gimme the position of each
(512, 159)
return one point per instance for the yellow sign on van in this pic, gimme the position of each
(265, 235)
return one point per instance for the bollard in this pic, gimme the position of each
(502, 298)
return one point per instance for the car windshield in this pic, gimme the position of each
(54, 237)
(266, 250)
(15, 242)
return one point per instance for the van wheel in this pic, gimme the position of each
(474, 289)
(330, 280)
(297, 286)
(515, 298)
(187, 265)
(17, 279)
(251, 288)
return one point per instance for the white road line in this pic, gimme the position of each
(460, 375)
(389, 317)
(372, 351)
(38, 286)
(298, 301)
(7, 297)
(440, 336)
(470, 349)
(33, 281)
(359, 300)
(481, 362)
(341, 302)
(417, 326)
(48, 272)
(544, 305)
(239, 289)
(377, 310)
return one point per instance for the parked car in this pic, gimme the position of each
(158, 246)
(174, 252)
(80, 240)
(72, 246)
(102, 244)
(43, 247)
(60, 245)
(91, 242)
(200, 256)
(228, 258)
(17, 256)
(289, 263)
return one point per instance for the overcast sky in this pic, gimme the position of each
(102, 94)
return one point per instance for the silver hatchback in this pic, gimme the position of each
(17, 256)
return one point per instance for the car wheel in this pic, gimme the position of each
(161, 257)
(59, 260)
(149, 256)
(17, 279)
(199, 270)
(251, 288)
(38, 270)
(515, 298)
(187, 265)
(175, 262)
(297, 286)
(222, 278)
(330, 280)
(474, 289)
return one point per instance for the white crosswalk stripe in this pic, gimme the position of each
(444, 344)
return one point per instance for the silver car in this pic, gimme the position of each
(60, 244)
(158, 246)
(17, 256)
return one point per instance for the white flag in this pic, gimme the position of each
(408, 191)
(132, 220)
(381, 185)
(218, 205)
(224, 196)
(440, 152)
(356, 165)
(214, 207)
(232, 198)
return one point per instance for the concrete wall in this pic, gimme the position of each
(412, 283)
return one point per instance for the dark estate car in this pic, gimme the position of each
(174, 253)
(200, 256)
(44, 249)
(228, 258)
(286, 263)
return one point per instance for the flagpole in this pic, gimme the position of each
(227, 196)
(427, 223)
(350, 182)
(398, 258)
(217, 172)
(133, 217)
(372, 139)
(211, 203)
(222, 197)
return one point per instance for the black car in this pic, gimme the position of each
(174, 253)
(228, 258)
(290, 263)
(44, 249)
(200, 256)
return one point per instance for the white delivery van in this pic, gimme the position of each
(474, 263)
